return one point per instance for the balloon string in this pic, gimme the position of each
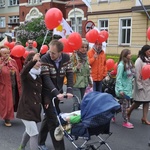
(45, 37)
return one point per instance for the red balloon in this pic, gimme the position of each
(7, 44)
(26, 53)
(148, 33)
(101, 38)
(12, 44)
(115, 66)
(34, 44)
(92, 36)
(27, 44)
(18, 51)
(53, 18)
(105, 34)
(75, 40)
(145, 72)
(110, 64)
(44, 49)
(67, 48)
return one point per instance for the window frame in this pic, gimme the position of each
(13, 18)
(76, 26)
(12, 1)
(32, 2)
(127, 28)
(103, 28)
(2, 3)
(3, 18)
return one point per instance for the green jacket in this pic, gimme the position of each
(82, 75)
(123, 83)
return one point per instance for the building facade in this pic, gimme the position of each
(126, 21)
(29, 9)
(9, 17)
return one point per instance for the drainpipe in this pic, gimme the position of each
(148, 17)
(144, 9)
(51, 4)
(75, 17)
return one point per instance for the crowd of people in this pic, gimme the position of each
(28, 85)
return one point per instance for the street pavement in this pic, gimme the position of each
(121, 138)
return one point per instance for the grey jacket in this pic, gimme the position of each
(141, 87)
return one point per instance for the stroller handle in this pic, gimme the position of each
(65, 96)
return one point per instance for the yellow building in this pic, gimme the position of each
(127, 22)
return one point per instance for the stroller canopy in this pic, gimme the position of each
(98, 109)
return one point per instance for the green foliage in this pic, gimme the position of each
(34, 29)
(116, 57)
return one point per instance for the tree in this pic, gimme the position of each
(34, 29)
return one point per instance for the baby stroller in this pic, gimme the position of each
(97, 110)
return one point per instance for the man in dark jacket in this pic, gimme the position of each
(55, 66)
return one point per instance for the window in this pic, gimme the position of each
(125, 31)
(13, 19)
(2, 3)
(34, 1)
(13, 2)
(2, 22)
(103, 25)
(76, 25)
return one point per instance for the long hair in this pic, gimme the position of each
(29, 57)
(123, 57)
(142, 52)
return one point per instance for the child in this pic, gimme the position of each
(124, 84)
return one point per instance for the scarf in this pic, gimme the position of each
(96, 49)
(147, 60)
(82, 56)
(130, 70)
(35, 72)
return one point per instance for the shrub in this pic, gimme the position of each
(34, 29)
(115, 57)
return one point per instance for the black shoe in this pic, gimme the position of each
(7, 123)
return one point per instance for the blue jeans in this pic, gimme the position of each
(97, 86)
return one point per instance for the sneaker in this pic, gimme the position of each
(128, 125)
(7, 123)
(42, 147)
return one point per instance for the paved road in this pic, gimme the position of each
(121, 139)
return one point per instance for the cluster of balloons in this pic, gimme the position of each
(19, 50)
(74, 42)
(145, 72)
(10, 45)
(93, 35)
(53, 19)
